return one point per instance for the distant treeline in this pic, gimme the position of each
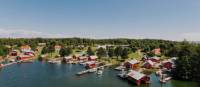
(83, 41)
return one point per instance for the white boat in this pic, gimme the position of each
(55, 62)
(165, 80)
(122, 74)
(119, 68)
(99, 72)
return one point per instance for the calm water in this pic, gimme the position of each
(40, 74)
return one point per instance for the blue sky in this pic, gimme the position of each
(158, 19)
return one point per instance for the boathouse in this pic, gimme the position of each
(67, 59)
(148, 64)
(133, 64)
(137, 77)
(30, 53)
(23, 57)
(155, 59)
(90, 64)
(82, 58)
(92, 58)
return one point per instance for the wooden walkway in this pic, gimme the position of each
(8, 64)
(92, 70)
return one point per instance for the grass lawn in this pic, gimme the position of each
(137, 55)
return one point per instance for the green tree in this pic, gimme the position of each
(44, 50)
(118, 51)
(90, 51)
(124, 54)
(101, 52)
(3, 51)
(65, 52)
(111, 52)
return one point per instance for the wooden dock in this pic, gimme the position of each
(92, 70)
(20, 61)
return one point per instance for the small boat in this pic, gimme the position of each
(159, 72)
(122, 74)
(99, 72)
(119, 68)
(165, 80)
(55, 62)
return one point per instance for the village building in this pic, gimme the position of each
(83, 58)
(41, 44)
(67, 59)
(133, 64)
(57, 47)
(14, 53)
(92, 58)
(157, 51)
(23, 57)
(30, 53)
(25, 48)
(155, 59)
(169, 64)
(137, 77)
(148, 64)
(90, 64)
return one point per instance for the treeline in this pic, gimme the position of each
(188, 62)
(82, 41)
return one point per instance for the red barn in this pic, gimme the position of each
(90, 64)
(133, 64)
(137, 77)
(92, 58)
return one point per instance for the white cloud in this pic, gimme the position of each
(22, 33)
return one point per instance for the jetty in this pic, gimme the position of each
(92, 70)
(20, 61)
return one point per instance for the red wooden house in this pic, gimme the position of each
(90, 64)
(133, 64)
(14, 53)
(92, 58)
(67, 59)
(24, 48)
(23, 57)
(155, 59)
(137, 77)
(157, 51)
(148, 64)
(30, 53)
(82, 58)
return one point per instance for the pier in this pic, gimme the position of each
(92, 70)
(20, 61)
